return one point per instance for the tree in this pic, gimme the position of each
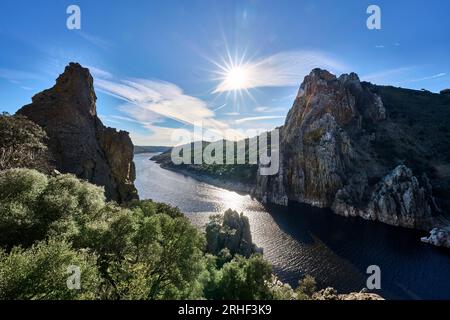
(306, 288)
(33, 205)
(245, 279)
(22, 144)
(41, 272)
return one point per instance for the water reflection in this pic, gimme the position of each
(304, 240)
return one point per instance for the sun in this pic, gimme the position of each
(236, 78)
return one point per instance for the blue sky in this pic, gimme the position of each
(160, 65)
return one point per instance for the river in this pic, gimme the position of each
(303, 240)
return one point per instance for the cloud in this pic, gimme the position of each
(149, 101)
(99, 73)
(435, 76)
(387, 76)
(263, 109)
(283, 69)
(157, 136)
(239, 121)
(231, 113)
(95, 40)
(146, 99)
(15, 76)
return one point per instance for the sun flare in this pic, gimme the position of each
(237, 78)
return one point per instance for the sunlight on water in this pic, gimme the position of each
(305, 240)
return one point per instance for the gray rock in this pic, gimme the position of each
(439, 237)
(78, 141)
(328, 157)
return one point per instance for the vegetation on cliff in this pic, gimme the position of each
(239, 173)
(22, 144)
(142, 250)
(53, 225)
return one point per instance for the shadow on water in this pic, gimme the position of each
(409, 269)
(300, 239)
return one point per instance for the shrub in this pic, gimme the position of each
(20, 221)
(41, 272)
(22, 144)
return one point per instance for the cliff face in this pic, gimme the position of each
(78, 141)
(340, 149)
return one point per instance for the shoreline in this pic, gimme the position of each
(438, 236)
(238, 187)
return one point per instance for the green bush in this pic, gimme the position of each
(41, 272)
(20, 220)
(22, 144)
(32, 204)
(143, 250)
(245, 279)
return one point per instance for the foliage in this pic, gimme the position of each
(242, 173)
(306, 288)
(22, 144)
(41, 272)
(142, 250)
(33, 205)
(243, 278)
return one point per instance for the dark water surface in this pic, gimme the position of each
(303, 240)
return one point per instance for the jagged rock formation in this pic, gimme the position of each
(231, 232)
(439, 237)
(78, 141)
(340, 149)
(332, 294)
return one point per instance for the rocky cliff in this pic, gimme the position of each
(78, 141)
(362, 150)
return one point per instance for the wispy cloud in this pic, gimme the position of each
(387, 76)
(99, 73)
(262, 118)
(147, 102)
(157, 136)
(146, 99)
(284, 69)
(95, 40)
(435, 76)
(15, 76)
(264, 109)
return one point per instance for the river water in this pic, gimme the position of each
(303, 240)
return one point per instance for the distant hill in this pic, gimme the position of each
(150, 149)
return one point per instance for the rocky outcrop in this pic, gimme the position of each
(399, 199)
(439, 237)
(78, 141)
(332, 294)
(230, 232)
(330, 157)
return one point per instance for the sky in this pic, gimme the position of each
(232, 66)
